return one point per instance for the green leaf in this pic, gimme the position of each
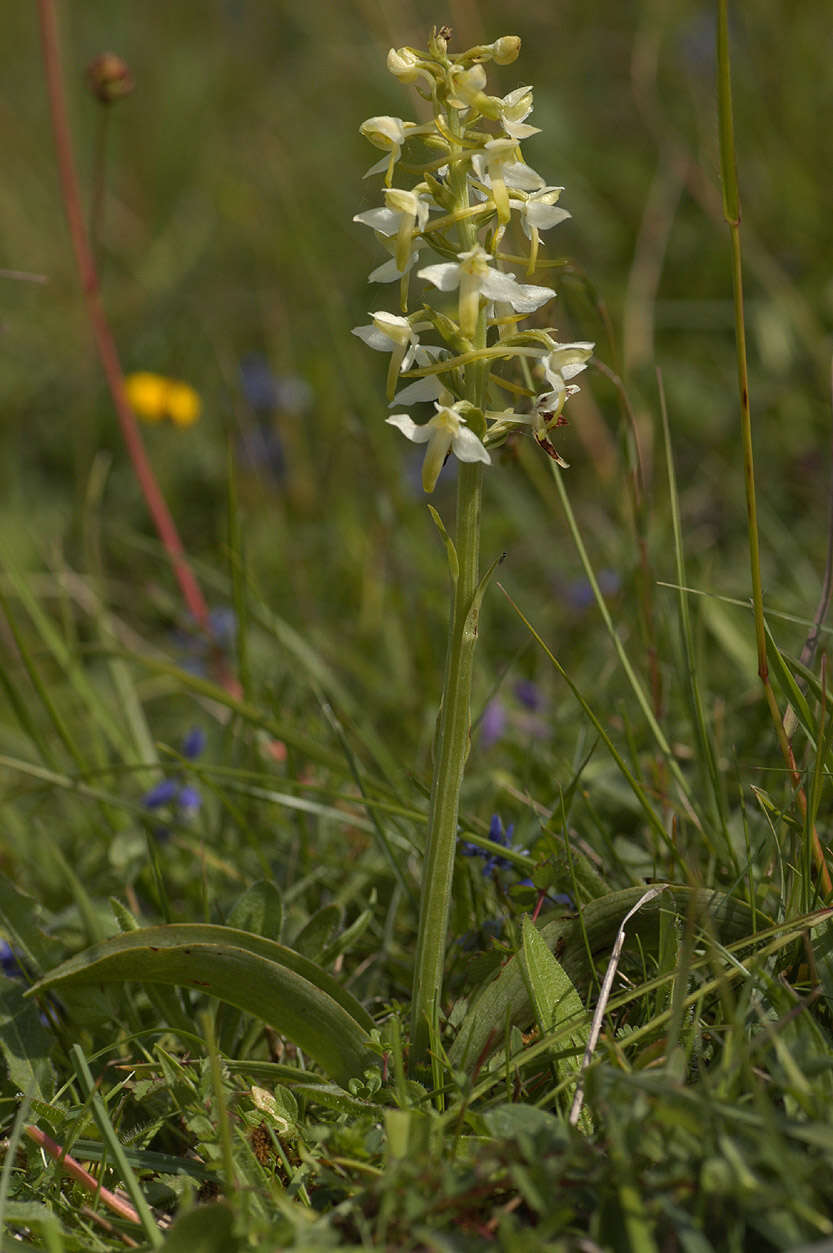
(313, 938)
(574, 941)
(451, 551)
(552, 992)
(259, 909)
(507, 1122)
(21, 926)
(480, 592)
(259, 976)
(24, 1041)
(572, 870)
(556, 1002)
(207, 1229)
(348, 939)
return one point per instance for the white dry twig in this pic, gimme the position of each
(604, 997)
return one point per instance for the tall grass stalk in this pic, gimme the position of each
(732, 214)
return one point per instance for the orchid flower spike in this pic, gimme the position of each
(464, 185)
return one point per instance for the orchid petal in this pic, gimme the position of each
(445, 276)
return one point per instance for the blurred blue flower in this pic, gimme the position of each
(267, 392)
(498, 835)
(189, 800)
(223, 625)
(528, 694)
(165, 792)
(9, 963)
(526, 722)
(194, 743)
(493, 722)
(171, 792)
(579, 594)
(197, 646)
(260, 387)
(562, 898)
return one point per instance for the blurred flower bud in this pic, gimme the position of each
(506, 49)
(109, 77)
(404, 64)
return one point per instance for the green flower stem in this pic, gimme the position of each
(452, 750)
(454, 722)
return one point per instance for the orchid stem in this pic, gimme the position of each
(454, 719)
(452, 751)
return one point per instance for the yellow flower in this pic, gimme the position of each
(183, 403)
(154, 397)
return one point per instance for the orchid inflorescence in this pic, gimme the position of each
(471, 180)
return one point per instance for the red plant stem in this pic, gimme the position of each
(82, 1176)
(104, 341)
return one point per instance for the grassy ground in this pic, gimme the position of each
(625, 751)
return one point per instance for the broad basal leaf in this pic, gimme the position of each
(259, 976)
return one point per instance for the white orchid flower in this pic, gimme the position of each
(467, 90)
(539, 211)
(391, 333)
(389, 271)
(389, 134)
(514, 109)
(430, 387)
(499, 154)
(446, 432)
(565, 361)
(408, 67)
(474, 276)
(517, 175)
(404, 216)
(497, 168)
(548, 414)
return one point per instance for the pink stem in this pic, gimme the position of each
(123, 1208)
(105, 343)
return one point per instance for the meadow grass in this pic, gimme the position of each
(257, 796)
